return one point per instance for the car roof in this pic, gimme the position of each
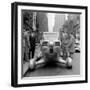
(51, 36)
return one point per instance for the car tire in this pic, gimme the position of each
(69, 63)
(32, 64)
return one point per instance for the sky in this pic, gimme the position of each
(51, 21)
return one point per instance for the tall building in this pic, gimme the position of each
(42, 21)
(27, 20)
(76, 23)
(59, 21)
(41, 24)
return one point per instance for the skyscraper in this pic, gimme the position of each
(41, 24)
(42, 21)
(59, 21)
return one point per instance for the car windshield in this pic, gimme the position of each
(51, 36)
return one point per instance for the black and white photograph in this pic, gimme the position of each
(51, 44)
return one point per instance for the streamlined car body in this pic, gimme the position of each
(50, 51)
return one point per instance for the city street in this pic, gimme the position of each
(56, 70)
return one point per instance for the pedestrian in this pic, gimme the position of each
(32, 40)
(26, 45)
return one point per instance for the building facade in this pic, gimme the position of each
(76, 24)
(59, 21)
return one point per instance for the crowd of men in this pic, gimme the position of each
(29, 43)
(30, 40)
(67, 42)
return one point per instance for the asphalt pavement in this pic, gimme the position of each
(57, 70)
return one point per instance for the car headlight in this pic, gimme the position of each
(45, 43)
(57, 43)
(51, 43)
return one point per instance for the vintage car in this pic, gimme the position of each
(50, 52)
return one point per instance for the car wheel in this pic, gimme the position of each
(69, 63)
(32, 64)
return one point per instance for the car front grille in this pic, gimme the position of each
(51, 50)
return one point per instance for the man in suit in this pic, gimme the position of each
(32, 39)
(26, 45)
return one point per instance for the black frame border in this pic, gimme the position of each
(14, 43)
